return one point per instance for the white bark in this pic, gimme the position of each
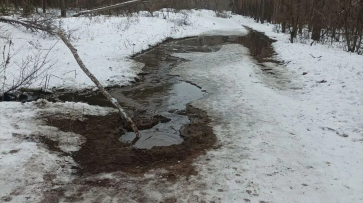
(105, 8)
(82, 66)
(98, 84)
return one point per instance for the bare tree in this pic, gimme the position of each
(63, 9)
(324, 19)
(27, 7)
(44, 5)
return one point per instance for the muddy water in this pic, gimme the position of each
(166, 134)
(156, 92)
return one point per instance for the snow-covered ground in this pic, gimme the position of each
(288, 139)
(26, 165)
(278, 145)
(105, 45)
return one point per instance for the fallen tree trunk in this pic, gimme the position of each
(105, 8)
(98, 84)
(82, 66)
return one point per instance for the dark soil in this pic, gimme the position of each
(260, 46)
(103, 152)
(146, 100)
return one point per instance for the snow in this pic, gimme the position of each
(105, 45)
(24, 161)
(284, 139)
(280, 144)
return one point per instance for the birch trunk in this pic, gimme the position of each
(105, 8)
(83, 67)
(98, 84)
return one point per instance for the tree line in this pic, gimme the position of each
(319, 20)
(41, 6)
(337, 20)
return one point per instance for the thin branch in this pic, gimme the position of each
(105, 8)
(33, 27)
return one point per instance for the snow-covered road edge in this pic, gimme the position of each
(277, 145)
(297, 144)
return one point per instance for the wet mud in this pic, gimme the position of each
(174, 132)
(103, 152)
(259, 45)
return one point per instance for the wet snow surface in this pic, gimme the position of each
(291, 138)
(277, 145)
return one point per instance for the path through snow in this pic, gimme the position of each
(277, 145)
(296, 142)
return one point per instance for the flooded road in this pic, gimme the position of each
(175, 132)
(156, 92)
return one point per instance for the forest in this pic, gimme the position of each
(321, 20)
(31, 6)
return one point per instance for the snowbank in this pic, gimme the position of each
(26, 165)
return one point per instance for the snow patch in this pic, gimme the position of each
(26, 165)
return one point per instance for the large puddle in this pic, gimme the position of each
(157, 92)
(166, 134)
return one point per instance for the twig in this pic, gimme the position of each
(75, 73)
(315, 56)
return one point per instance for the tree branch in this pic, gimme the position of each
(105, 8)
(82, 66)
(98, 84)
(33, 27)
